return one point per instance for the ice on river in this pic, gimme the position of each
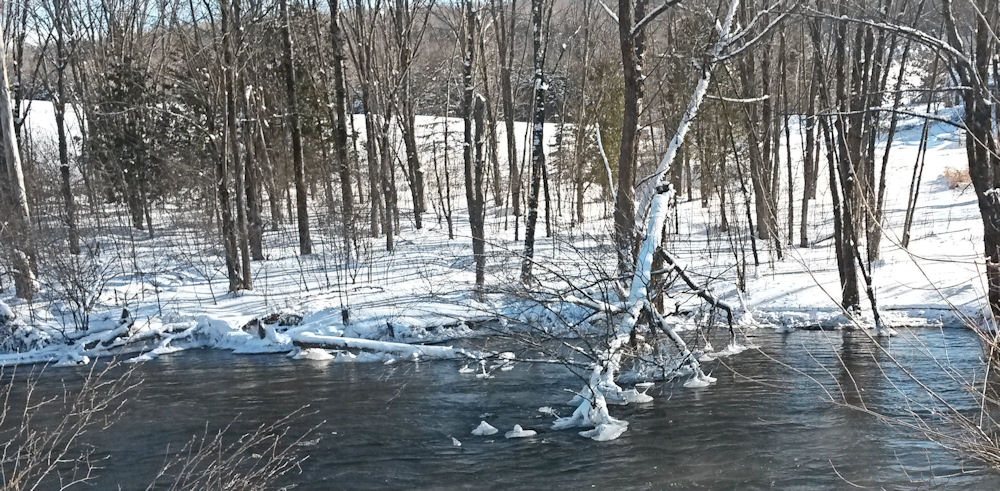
(519, 432)
(485, 429)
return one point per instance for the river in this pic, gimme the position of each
(763, 424)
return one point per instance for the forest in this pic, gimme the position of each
(642, 198)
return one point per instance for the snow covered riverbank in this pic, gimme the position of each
(173, 284)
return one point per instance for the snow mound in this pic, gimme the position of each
(485, 429)
(519, 432)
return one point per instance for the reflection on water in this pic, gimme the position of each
(390, 425)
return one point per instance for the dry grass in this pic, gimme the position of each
(956, 178)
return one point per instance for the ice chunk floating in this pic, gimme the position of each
(485, 429)
(519, 432)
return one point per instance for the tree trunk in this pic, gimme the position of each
(632, 50)
(273, 191)
(301, 195)
(388, 181)
(23, 250)
(253, 178)
(231, 30)
(809, 155)
(505, 49)
(472, 108)
(491, 132)
(59, 108)
(537, 139)
(340, 129)
(981, 143)
(845, 158)
(415, 174)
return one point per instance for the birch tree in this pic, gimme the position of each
(636, 306)
(22, 249)
(537, 137)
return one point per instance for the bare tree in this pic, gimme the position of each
(632, 22)
(232, 35)
(472, 109)
(972, 67)
(301, 191)
(537, 137)
(505, 50)
(340, 142)
(61, 21)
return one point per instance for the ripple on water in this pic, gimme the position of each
(392, 425)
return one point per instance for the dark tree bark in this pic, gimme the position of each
(388, 181)
(758, 121)
(363, 58)
(472, 108)
(444, 198)
(253, 177)
(839, 150)
(491, 132)
(403, 26)
(226, 215)
(60, 18)
(505, 49)
(273, 191)
(582, 122)
(231, 32)
(633, 47)
(301, 193)
(340, 129)
(809, 154)
(981, 145)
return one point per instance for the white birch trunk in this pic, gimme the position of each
(22, 250)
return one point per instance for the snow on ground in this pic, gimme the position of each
(938, 275)
(173, 285)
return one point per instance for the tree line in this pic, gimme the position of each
(271, 111)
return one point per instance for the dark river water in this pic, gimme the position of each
(763, 424)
